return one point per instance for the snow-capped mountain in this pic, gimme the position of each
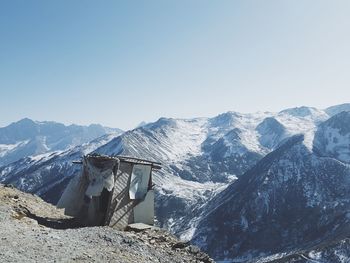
(333, 110)
(48, 174)
(336, 250)
(332, 138)
(202, 157)
(293, 199)
(306, 112)
(29, 138)
(272, 132)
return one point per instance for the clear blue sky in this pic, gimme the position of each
(122, 62)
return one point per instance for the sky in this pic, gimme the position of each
(119, 63)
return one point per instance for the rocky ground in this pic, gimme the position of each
(32, 230)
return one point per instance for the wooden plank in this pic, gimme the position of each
(119, 214)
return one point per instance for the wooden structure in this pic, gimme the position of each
(115, 191)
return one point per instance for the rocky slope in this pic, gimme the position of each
(34, 231)
(295, 198)
(332, 138)
(201, 157)
(333, 110)
(335, 251)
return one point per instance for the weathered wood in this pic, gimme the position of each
(128, 159)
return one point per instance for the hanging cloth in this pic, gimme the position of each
(139, 181)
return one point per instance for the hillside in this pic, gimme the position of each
(294, 199)
(207, 163)
(32, 230)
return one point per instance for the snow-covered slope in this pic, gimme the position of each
(306, 112)
(333, 137)
(329, 251)
(48, 174)
(333, 110)
(293, 199)
(272, 132)
(27, 138)
(191, 175)
(200, 158)
(210, 151)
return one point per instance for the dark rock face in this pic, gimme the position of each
(334, 110)
(334, 251)
(230, 140)
(272, 132)
(228, 153)
(290, 199)
(332, 137)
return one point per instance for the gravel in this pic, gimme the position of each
(32, 230)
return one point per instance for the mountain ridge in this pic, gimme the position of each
(201, 158)
(29, 138)
(292, 198)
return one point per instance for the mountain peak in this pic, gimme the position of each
(271, 132)
(302, 111)
(27, 137)
(24, 122)
(340, 121)
(264, 210)
(161, 123)
(225, 119)
(333, 110)
(332, 137)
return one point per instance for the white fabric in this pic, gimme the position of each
(139, 181)
(98, 180)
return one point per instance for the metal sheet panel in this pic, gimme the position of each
(73, 196)
(144, 211)
(120, 211)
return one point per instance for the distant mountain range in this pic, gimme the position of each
(29, 138)
(245, 187)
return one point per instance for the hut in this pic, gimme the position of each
(114, 191)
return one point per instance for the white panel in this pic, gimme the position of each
(73, 196)
(139, 181)
(144, 211)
